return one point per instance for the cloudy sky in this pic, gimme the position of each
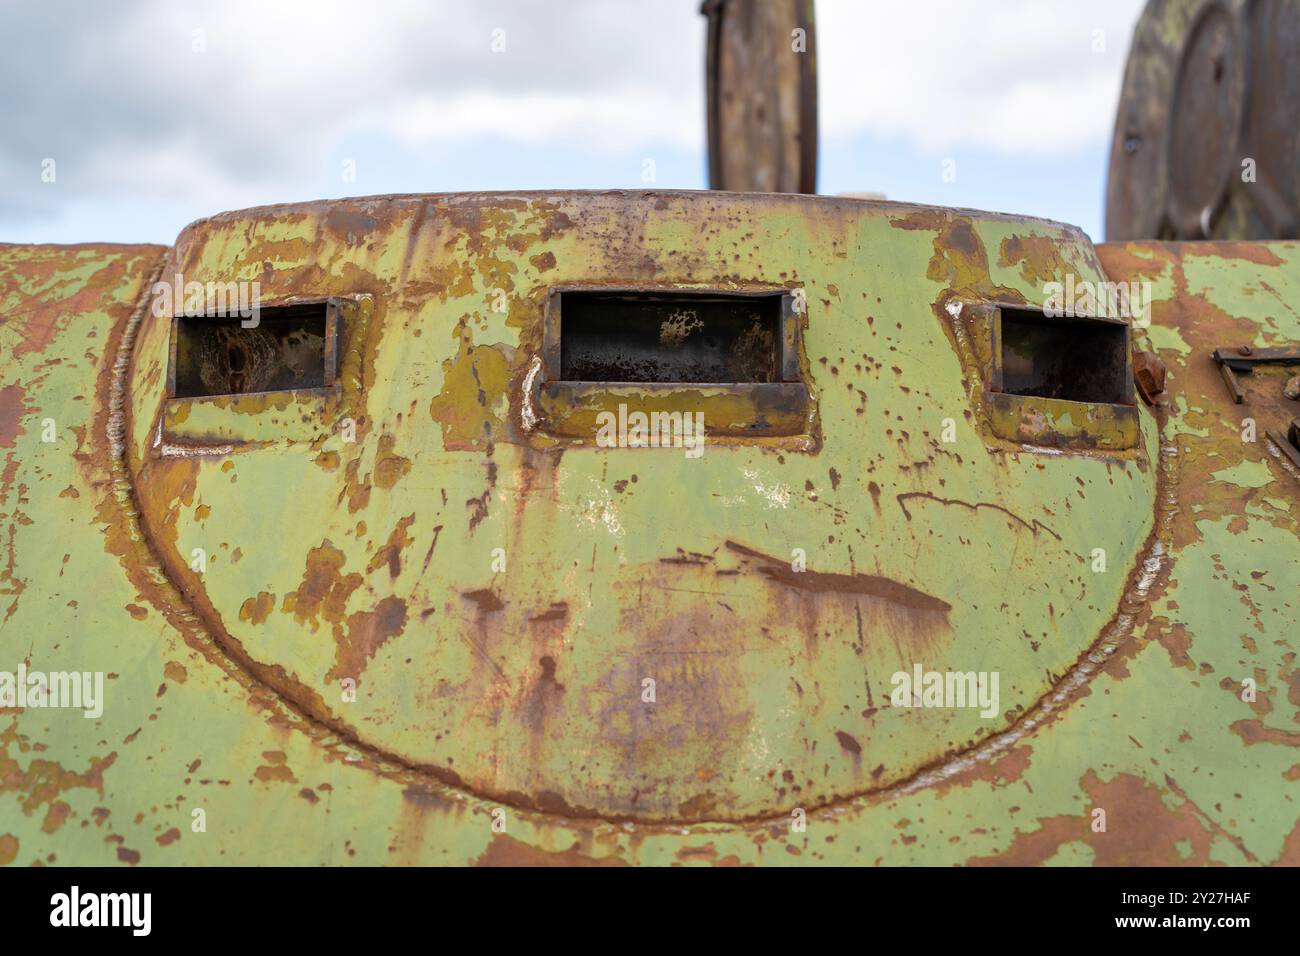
(156, 113)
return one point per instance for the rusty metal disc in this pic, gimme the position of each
(1206, 142)
(762, 95)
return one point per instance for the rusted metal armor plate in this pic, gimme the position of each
(430, 643)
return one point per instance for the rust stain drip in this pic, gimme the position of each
(871, 585)
(1033, 526)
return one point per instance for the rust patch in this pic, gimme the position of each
(44, 317)
(165, 484)
(175, 671)
(960, 259)
(1039, 258)
(43, 781)
(366, 633)
(255, 610)
(350, 225)
(12, 410)
(1254, 732)
(1256, 252)
(274, 770)
(55, 816)
(1290, 855)
(698, 807)
(1141, 829)
(558, 611)
(1122, 262)
(848, 742)
(324, 591)
(389, 466)
(357, 491)
(391, 553)
(1177, 642)
(485, 598)
(505, 850)
(474, 384)
(8, 849)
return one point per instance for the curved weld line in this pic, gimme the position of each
(1117, 632)
(181, 614)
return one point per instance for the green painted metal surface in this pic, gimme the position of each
(431, 644)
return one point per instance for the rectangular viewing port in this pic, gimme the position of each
(1066, 358)
(731, 356)
(673, 336)
(292, 347)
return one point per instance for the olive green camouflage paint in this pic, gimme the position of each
(497, 591)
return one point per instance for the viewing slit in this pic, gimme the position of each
(290, 348)
(671, 337)
(1074, 359)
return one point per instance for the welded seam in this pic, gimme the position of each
(178, 609)
(1149, 570)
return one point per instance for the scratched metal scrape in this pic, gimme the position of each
(422, 600)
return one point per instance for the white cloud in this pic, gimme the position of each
(600, 120)
(120, 98)
(125, 103)
(1011, 76)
